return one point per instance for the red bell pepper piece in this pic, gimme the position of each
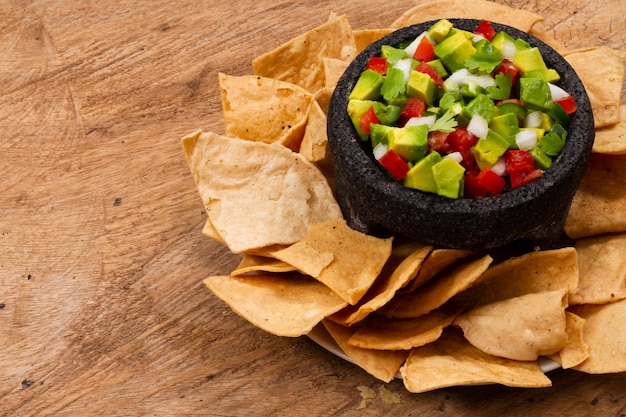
(414, 107)
(438, 142)
(425, 51)
(472, 188)
(430, 71)
(367, 118)
(523, 177)
(378, 64)
(462, 141)
(568, 104)
(491, 181)
(518, 161)
(485, 29)
(394, 163)
(507, 67)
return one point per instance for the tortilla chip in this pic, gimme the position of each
(521, 328)
(601, 69)
(576, 350)
(209, 231)
(263, 109)
(605, 333)
(599, 205)
(611, 140)
(468, 9)
(253, 263)
(533, 272)
(452, 361)
(602, 269)
(299, 61)
(400, 334)
(436, 262)
(322, 97)
(393, 277)
(357, 258)
(437, 291)
(284, 305)
(314, 146)
(333, 70)
(257, 194)
(546, 34)
(383, 364)
(364, 37)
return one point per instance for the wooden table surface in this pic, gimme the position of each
(102, 307)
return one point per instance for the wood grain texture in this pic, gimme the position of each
(101, 255)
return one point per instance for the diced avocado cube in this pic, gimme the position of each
(422, 86)
(448, 175)
(367, 86)
(356, 108)
(529, 60)
(510, 107)
(481, 105)
(394, 84)
(499, 40)
(420, 176)
(471, 90)
(535, 94)
(440, 30)
(506, 125)
(410, 142)
(454, 50)
(542, 161)
(521, 45)
(550, 75)
(388, 114)
(379, 134)
(487, 151)
(439, 68)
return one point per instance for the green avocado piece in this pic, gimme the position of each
(535, 94)
(471, 90)
(487, 151)
(542, 161)
(438, 31)
(500, 39)
(481, 105)
(379, 134)
(448, 176)
(529, 60)
(454, 50)
(367, 86)
(422, 86)
(356, 108)
(506, 125)
(420, 176)
(510, 107)
(410, 142)
(550, 75)
(439, 68)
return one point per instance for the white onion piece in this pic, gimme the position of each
(424, 120)
(404, 65)
(557, 92)
(526, 139)
(499, 167)
(533, 119)
(508, 50)
(457, 156)
(380, 150)
(478, 126)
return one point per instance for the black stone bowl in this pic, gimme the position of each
(534, 213)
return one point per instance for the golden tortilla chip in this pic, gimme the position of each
(533, 272)
(599, 205)
(322, 97)
(284, 305)
(601, 69)
(602, 269)
(364, 37)
(254, 263)
(257, 194)
(333, 70)
(265, 110)
(357, 258)
(383, 364)
(611, 140)
(520, 328)
(605, 333)
(452, 361)
(209, 231)
(393, 277)
(546, 34)
(314, 146)
(468, 9)
(299, 61)
(576, 350)
(436, 262)
(400, 334)
(437, 291)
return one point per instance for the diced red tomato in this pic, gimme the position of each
(367, 118)
(518, 161)
(472, 188)
(425, 50)
(507, 67)
(485, 29)
(491, 181)
(523, 177)
(394, 163)
(462, 141)
(414, 107)
(438, 142)
(568, 104)
(430, 71)
(378, 64)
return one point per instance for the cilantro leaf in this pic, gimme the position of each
(394, 84)
(503, 90)
(486, 58)
(445, 123)
(552, 143)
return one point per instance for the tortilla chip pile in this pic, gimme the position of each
(437, 317)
